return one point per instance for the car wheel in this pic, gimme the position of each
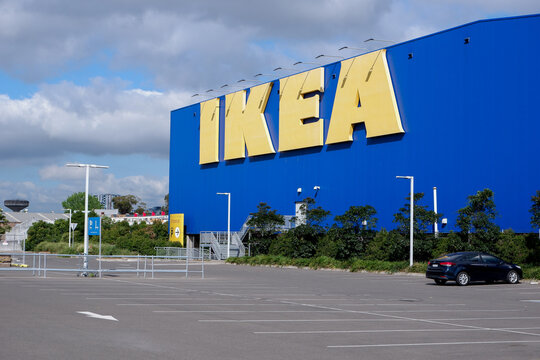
(440, 281)
(512, 277)
(463, 279)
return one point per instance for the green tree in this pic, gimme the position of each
(75, 202)
(512, 247)
(348, 237)
(125, 203)
(355, 217)
(387, 246)
(166, 207)
(314, 216)
(263, 228)
(302, 241)
(535, 210)
(3, 223)
(423, 218)
(476, 220)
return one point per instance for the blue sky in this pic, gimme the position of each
(95, 82)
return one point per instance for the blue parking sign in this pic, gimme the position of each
(94, 226)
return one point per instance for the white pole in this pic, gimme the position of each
(412, 223)
(69, 237)
(228, 223)
(435, 225)
(87, 166)
(229, 228)
(85, 264)
(100, 228)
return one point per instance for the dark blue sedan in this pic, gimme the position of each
(464, 267)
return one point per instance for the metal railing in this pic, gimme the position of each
(42, 263)
(191, 253)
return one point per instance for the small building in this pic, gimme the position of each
(20, 222)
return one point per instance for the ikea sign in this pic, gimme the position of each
(364, 94)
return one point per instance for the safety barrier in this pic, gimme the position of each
(42, 263)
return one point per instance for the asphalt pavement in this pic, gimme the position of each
(242, 312)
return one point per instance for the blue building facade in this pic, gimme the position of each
(468, 105)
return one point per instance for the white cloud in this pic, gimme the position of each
(102, 118)
(58, 182)
(201, 44)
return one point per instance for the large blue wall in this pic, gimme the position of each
(471, 122)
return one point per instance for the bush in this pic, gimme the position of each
(300, 242)
(55, 248)
(531, 272)
(450, 244)
(512, 247)
(387, 246)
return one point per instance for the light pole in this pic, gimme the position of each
(87, 166)
(411, 226)
(69, 231)
(228, 223)
(435, 225)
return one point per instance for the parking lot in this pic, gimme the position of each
(240, 312)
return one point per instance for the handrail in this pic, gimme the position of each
(40, 266)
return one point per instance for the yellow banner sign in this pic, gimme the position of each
(176, 228)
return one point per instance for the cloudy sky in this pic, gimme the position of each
(95, 81)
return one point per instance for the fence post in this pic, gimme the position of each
(152, 266)
(138, 265)
(202, 263)
(34, 264)
(44, 266)
(187, 264)
(145, 258)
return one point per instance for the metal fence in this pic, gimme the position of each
(191, 253)
(142, 266)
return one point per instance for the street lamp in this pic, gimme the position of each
(228, 223)
(69, 230)
(411, 226)
(87, 166)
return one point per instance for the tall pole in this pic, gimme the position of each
(69, 231)
(435, 225)
(87, 166)
(411, 224)
(229, 227)
(85, 264)
(228, 223)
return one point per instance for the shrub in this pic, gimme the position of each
(387, 246)
(512, 247)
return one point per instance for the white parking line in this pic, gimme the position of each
(436, 344)
(215, 304)
(446, 310)
(144, 298)
(245, 311)
(362, 320)
(385, 331)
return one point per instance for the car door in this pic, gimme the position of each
(474, 266)
(493, 269)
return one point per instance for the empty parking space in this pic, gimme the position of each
(266, 313)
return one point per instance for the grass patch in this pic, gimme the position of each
(530, 272)
(326, 262)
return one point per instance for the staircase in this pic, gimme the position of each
(216, 241)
